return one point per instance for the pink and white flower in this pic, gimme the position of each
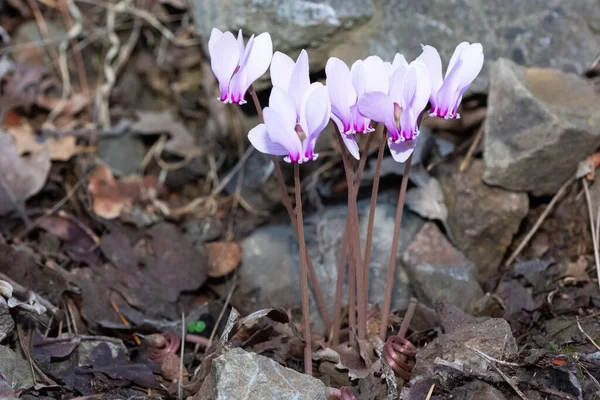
(237, 66)
(400, 107)
(298, 111)
(463, 68)
(345, 87)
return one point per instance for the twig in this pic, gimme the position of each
(465, 163)
(222, 313)
(392, 266)
(586, 335)
(123, 319)
(232, 172)
(430, 393)
(62, 61)
(540, 220)
(179, 383)
(588, 200)
(68, 16)
(491, 361)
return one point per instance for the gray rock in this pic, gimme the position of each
(438, 271)
(482, 219)
(6, 322)
(123, 153)
(540, 124)
(238, 375)
(477, 390)
(270, 273)
(547, 33)
(15, 369)
(492, 337)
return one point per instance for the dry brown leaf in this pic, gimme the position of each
(60, 148)
(24, 176)
(223, 257)
(111, 197)
(576, 271)
(73, 105)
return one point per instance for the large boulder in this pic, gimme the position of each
(540, 124)
(547, 33)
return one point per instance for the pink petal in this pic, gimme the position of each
(397, 82)
(456, 56)
(260, 139)
(259, 52)
(351, 145)
(281, 70)
(378, 107)
(362, 124)
(433, 62)
(282, 134)
(299, 80)
(448, 94)
(358, 77)
(341, 91)
(402, 150)
(423, 87)
(224, 60)
(281, 102)
(215, 35)
(472, 62)
(316, 110)
(375, 75)
(408, 124)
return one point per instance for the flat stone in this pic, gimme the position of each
(239, 375)
(438, 271)
(546, 33)
(540, 123)
(482, 219)
(477, 390)
(270, 272)
(6, 322)
(124, 154)
(492, 337)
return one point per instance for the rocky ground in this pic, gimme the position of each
(132, 215)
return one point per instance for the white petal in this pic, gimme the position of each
(281, 70)
(433, 62)
(300, 80)
(399, 61)
(397, 81)
(281, 102)
(282, 134)
(375, 75)
(316, 110)
(423, 87)
(260, 139)
(402, 150)
(341, 91)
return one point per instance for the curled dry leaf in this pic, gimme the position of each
(75, 234)
(427, 199)
(111, 197)
(22, 176)
(181, 142)
(348, 358)
(223, 257)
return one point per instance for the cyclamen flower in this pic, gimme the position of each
(235, 66)
(345, 86)
(298, 111)
(463, 68)
(399, 61)
(400, 108)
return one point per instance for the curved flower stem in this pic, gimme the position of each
(374, 192)
(385, 313)
(285, 199)
(303, 275)
(354, 241)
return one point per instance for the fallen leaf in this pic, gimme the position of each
(45, 349)
(576, 271)
(73, 105)
(59, 148)
(427, 200)
(22, 176)
(21, 87)
(223, 257)
(112, 197)
(181, 141)
(79, 241)
(348, 358)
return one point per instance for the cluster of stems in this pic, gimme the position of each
(350, 254)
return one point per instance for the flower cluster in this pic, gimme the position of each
(392, 93)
